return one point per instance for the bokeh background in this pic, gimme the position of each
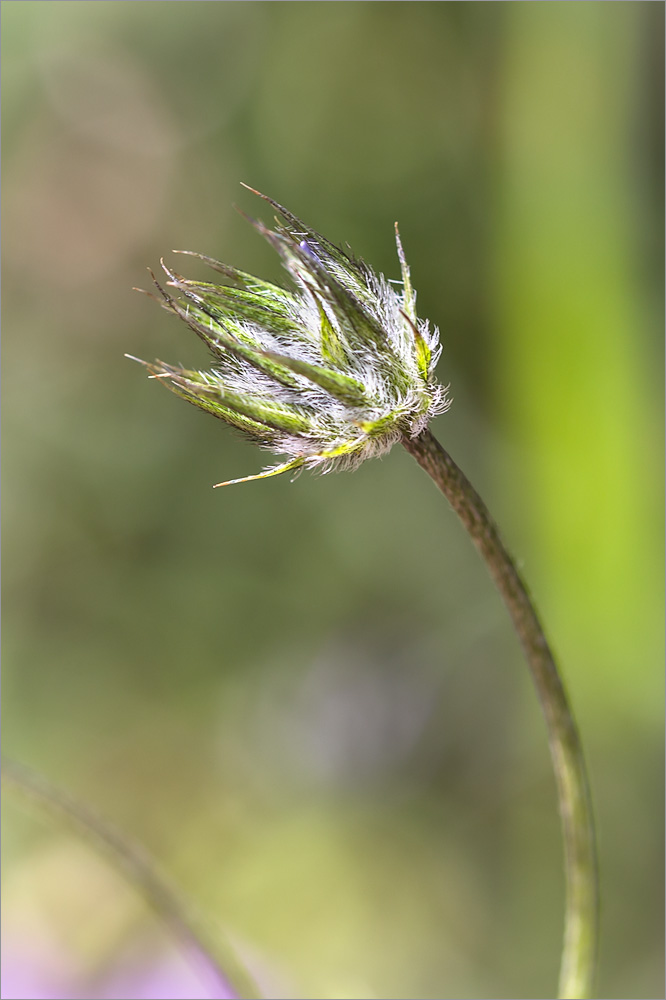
(305, 699)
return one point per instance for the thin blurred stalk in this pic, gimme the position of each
(139, 869)
(579, 953)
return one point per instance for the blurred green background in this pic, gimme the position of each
(305, 698)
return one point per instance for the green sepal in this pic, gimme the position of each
(297, 231)
(222, 343)
(248, 281)
(342, 387)
(423, 352)
(375, 428)
(332, 347)
(177, 380)
(257, 431)
(217, 338)
(232, 304)
(361, 326)
(408, 294)
(279, 416)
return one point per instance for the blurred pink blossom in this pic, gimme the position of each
(30, 974)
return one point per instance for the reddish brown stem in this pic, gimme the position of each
(581, 917)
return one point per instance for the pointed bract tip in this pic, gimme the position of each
(253, 190)
(295, 463)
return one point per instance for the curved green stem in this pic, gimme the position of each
(582, 893)
(216, 959)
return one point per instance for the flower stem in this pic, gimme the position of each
(582, 893)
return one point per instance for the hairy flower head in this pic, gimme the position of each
(329, 373)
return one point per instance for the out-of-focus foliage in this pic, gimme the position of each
(305, 699)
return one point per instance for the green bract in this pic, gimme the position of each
(335, 371)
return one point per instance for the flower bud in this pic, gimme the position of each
(329, 373)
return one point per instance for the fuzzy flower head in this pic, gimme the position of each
(329, 373)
